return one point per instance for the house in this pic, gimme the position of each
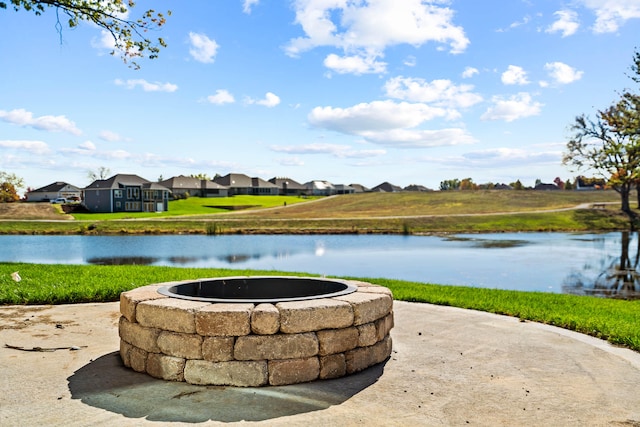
(589, 184)
(238, 183)
(386, 187)
(344, 189)
(416, 187)
(359, 188)
(546, 187)
(260, 187)
(320, 188)
(288, 186)
(181, 186)
(55, 191)
(126, 193)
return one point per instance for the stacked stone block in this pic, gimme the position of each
(250, 345)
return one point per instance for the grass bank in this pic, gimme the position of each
(617, 321)
(368, 213)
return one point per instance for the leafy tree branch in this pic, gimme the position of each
(130, 37)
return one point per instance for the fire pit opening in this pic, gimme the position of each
(258, 289)
(255, 331)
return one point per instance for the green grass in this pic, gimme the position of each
(617, 321)
(199, 206)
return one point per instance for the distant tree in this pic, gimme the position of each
(559, 182)
(102, 172)
(450, 184)
(538, 182)
(201, 176)
(517, 185)
(610, 144)
(9, 185)
(568, 185)
(129, 36)
(467, 184)
(160, 178)
(8, 193)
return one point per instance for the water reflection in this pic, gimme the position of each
(488, 243)
(611, 277)
(123, 260)
(584, 264)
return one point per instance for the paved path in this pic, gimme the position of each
(449, 367)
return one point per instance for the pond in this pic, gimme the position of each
(584, 264)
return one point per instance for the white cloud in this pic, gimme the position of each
(389, 122)
(469, 72)
(414, 138)
(366, 29)
(203, 49)
(611, 14)
(515, 76)
(510, 157)
(291, 161)
(248, 4)
(354, 64)
(567, 23)
(439, 92)
(88, 145)
(502, 158)
(513, 108)
(377, 115)
(22, 117)
(336, 150)
(410, 61)
(221, 97)
(147, 86)
(270, 100)
(34, 147)
(562, 73)
(107, 135)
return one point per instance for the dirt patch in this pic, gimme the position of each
(32, 210)
(20, 317)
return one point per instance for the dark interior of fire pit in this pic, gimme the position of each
(258, 289)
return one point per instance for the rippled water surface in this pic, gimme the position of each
(604, 264)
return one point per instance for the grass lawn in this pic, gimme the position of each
(200, 206)
(367, 213)
(617, 321)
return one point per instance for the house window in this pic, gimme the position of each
(117, 194)
(133, 193)
(119, 205)
(149, 207)
(148, 195)
(132, 206)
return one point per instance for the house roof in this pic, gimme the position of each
(291, 184)
(122, 180)
(182, 181)
(416, 187)
(234, 180)
(359, 187)
(261, 183)
(56, 186)
(319, 185)
(387, 187)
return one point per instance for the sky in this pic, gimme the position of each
(347, 91)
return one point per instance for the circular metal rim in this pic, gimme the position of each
(349, 288)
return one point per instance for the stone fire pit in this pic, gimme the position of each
(254, 342)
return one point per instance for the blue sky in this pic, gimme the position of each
(348, 91)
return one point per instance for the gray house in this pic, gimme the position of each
(238, 183)
(181, 185)
(387, 187)
(126, 193)
(54, 191)
(288, 187)
(320, 188)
